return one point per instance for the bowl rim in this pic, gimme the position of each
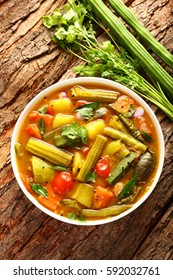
(83, 81)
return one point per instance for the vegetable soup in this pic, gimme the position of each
(87, 152)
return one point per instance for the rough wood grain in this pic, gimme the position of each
(29, 62)
(157, 17)
(161, 238)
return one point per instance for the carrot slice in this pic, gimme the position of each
(53, 196)
(47, 203)
(47, 119)
(35, 116)
(33, 130)
(26, 179)
(101, 198)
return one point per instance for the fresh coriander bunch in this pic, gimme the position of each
(73, 31)
(70, 24)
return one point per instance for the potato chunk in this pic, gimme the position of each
(62, 105)
(94, 128)
(62, 119)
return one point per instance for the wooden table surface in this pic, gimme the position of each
(29, 62)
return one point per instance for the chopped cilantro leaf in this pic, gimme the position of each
(43, 109)
(87, 110)
(91, 177)
(130, 111)
(86, 113)
(39, 189)
(75, 134)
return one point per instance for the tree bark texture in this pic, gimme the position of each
(29, 62)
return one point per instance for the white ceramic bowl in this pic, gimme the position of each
(82, 81)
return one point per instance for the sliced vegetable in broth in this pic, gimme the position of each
(87, 154)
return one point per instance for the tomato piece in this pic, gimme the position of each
(85, 150)
(50, 110)
(62, 182)
(143, 125)
(102, 167)
(81, 102)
